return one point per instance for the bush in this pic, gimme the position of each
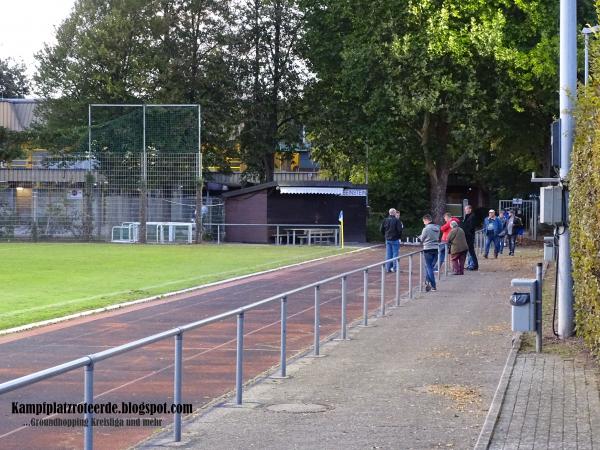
(584, 186)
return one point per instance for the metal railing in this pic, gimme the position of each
(279, 228)
(89, 362)
(479, 242)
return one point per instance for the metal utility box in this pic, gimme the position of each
(549, 249)
(551, 205)
(523, 312)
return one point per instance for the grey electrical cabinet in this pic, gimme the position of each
(551, 205)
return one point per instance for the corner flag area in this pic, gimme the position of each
(45, 281)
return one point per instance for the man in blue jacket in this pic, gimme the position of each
(492, 227)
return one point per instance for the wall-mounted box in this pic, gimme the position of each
(551, 205)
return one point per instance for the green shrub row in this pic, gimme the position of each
(584, 217)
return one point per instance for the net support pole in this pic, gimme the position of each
(144, 182)
(200, 183)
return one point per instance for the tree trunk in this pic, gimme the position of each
(438, 169)
(273, 138)
(437, 194)
(268, 167)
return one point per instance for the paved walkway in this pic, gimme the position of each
(422, 378)
(551, 402)
(209, 352)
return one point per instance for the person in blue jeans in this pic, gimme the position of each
(430, 238)
(512, 226)
(492, 227)
(502, 217)
(391, 228)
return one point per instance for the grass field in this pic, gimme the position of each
(43, 281)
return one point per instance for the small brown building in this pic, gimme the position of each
(295, 203)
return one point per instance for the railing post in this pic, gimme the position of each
(538, 307)
(366, 297)
(421, 271)
(283, 363)
(177, 384)
(439, 263)
(88, 399)
(446, 263)
(382, 302)
(410, 276)
(218, 234)
(277, 236)
(398, 281)
(239, 360)
(317, 332)
(343, 331)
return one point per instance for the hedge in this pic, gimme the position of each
(584, 217)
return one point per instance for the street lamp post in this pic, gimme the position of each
(586, 36)
(567, 92)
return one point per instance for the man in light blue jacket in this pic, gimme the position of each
(492, 227)
(430, 238)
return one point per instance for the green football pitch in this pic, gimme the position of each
(44, 281)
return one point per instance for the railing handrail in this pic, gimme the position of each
(322, 225)
(51, 372)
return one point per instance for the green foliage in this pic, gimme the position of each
(11, 144)
(172, 51)
(460, 86)
(584, 185)
(237, 59)
(272, 76)
(13, 80)
(7, 221)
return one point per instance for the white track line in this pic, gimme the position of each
(154, 286)
(204, 352)
(168, 294)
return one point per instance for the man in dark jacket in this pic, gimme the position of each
(391, 228)
(469, 226)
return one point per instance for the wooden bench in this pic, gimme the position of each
(323, 236)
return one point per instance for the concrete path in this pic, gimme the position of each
(423, 377)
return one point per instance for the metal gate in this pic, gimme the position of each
(528, 209)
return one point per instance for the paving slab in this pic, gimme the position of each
(551, 402)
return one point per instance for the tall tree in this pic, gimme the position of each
(134, 51)
(453, 80)
(272, 77)
(13, 79)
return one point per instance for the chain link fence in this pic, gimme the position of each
(135, 177)
(77, 198)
